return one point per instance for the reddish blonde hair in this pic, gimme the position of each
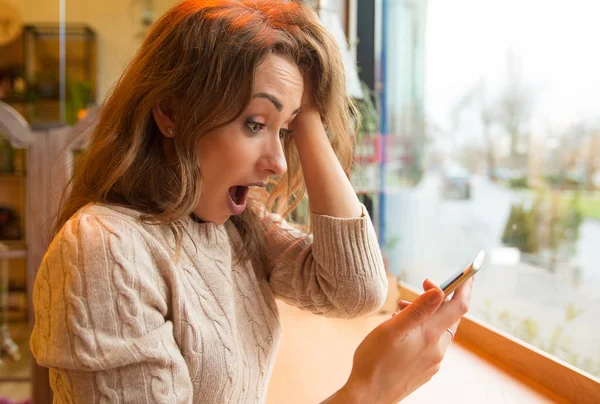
(204, 53)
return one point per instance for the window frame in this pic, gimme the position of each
(531, 362)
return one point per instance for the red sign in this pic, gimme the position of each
(370, 151)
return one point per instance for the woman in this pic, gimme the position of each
(159, 285)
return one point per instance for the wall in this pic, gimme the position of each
(115, 22)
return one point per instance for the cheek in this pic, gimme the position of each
(224, 162)
(210, 151)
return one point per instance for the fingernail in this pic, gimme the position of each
(430, 281)
(434, 298)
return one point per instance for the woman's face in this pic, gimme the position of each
(246, 152)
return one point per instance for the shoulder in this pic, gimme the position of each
(91, 225)
(103, 231)
(94, 219)
(99, 252)
(107, 214)
(100, 279)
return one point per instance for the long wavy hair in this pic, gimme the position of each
(204, 53)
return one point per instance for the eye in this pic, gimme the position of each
(255, 127)
(285, 132)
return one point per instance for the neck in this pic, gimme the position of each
(196, 218)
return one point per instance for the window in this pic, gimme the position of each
(493, 142)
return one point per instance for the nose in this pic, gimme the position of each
(272, 160)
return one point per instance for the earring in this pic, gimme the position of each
(170, 130)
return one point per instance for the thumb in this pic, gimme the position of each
(415, 314)
(428, 284)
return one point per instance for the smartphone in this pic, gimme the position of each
(461, 276)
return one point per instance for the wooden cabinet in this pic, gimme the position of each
(15, 360)
(32, 189)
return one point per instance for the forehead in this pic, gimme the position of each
(280, 76)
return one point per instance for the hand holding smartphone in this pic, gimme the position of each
(461, 276)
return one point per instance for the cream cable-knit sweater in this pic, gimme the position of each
(119, 321)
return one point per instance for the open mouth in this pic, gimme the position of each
(238, 194)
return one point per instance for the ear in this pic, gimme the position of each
(164, 113)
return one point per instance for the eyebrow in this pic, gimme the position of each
(275, 101)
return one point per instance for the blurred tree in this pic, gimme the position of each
(551, 225)
(487, 115)
(514, 109)
(476, 100)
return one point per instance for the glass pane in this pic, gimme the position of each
(48, 72)
(493, 138)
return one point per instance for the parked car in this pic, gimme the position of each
(456, 183)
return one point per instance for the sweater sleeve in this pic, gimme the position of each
(337, 271)
(101, 318)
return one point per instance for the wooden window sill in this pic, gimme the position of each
(523, 361)
(316, 353)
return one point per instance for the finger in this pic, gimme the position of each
(447, 338)
(463, 294)
(454, 327)
(428, 284)
(418, 311)
(453, 310)
(402, 304)
(464, 291)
